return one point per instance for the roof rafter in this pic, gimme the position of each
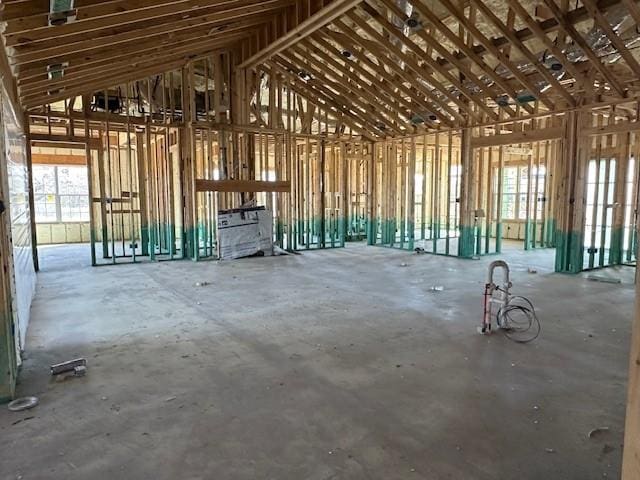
(185, 49)
(468, 50)
(427, 75)
(376, 85)
(535, 61)
(395, 80)
(385, 48)
(319, 100)
(542, 36)
(119, 37)
(570, 30)
(433, 64)
(154, 65)
(573, 16)
(335, 98)
(165, 12)
(604, 24)
(84, 59)
(374, 103)
(497, 54)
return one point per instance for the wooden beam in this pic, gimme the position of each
(468, 50)
(501, 57)
(604, 24)
(346, 93)
(570, 30)
(395, 79)
(135, 53)
(48, 144)
(96, 82)
(573, 16)
(631, 453)
(540, 34)
(57, 159)
(11, 88)
(18, 33)
(335, 9)
(318, 99)
(212, 22)
(158, 63)
(338, 102)
(432, 66)
(622, 127)
(525, 136)
(369, 81)
(517, 43)
(387, 46)
(432, 43)
(63, 141)
(244, 186)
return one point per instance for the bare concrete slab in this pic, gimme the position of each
(337, 364)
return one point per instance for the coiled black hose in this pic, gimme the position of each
(518, 320)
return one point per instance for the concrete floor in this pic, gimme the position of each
(336, 364)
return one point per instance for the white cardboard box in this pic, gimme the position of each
(244, 231)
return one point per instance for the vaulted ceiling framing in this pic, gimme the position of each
(407, 66)
(383, 67)
(114, 41)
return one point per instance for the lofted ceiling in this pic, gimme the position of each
(393, 67)
(53, 50)
(397, 66)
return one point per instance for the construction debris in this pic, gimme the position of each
(72, 368)
(24, 403)
(69, 366)
(597, 432)
(603, 279)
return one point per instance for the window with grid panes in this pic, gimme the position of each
(61, 193)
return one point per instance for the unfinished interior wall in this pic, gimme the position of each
(310, 214)
(358, 157)
(179, 142)
(610, 196)
(278, 137)
(515, 199)
(417, 184)
(262, 157)
(135, 185)
(601, 189)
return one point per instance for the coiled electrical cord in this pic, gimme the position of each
(518, 320)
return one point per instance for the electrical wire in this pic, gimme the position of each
(518, 320)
